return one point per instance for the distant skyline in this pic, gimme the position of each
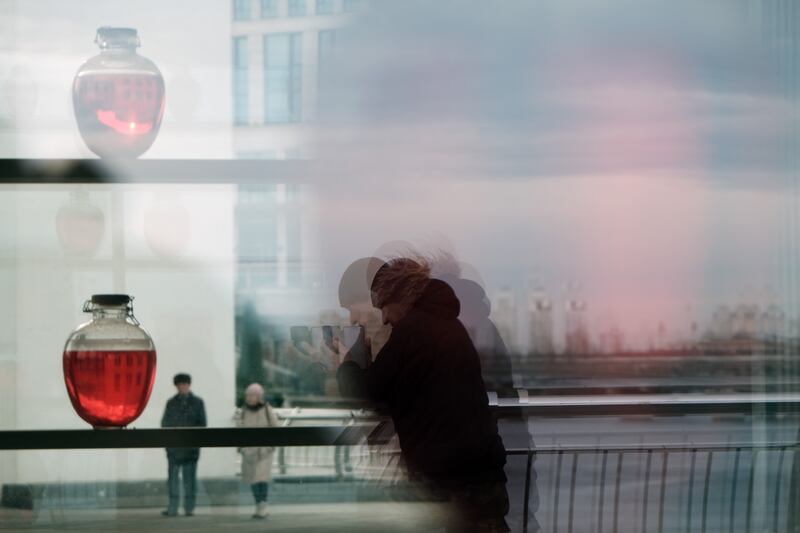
(637, 146)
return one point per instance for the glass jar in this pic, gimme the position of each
(118, 96)
(109, 363)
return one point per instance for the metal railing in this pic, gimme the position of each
(732, 486)
(696, 503)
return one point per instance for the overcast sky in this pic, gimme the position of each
(639, 147)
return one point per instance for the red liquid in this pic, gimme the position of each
(119, 114)
(109, 388)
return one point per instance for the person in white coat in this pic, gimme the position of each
(257, 460)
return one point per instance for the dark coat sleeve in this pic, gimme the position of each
(201, 413)
(376, 381)
(166, 419)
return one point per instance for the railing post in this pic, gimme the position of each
(572, 490)
(616, 492)
(690, 497)
(663, 491)
(778, 490)
(526, 504)
(602, 492)
(733, 488)
(646, 489)
(750, 484)
(558, 490)
(705, 491)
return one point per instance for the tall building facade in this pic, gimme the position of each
(279, 51)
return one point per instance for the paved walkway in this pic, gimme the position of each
(367, 517)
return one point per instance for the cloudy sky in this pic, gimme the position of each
(638, 147)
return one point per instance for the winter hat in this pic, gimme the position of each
(255, 388)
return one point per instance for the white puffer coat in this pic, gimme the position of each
(256, 460)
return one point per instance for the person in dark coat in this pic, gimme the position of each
(428, 375)
(183, 410)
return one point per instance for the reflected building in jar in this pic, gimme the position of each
(118, 96)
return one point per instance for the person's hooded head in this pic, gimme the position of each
(397, 286)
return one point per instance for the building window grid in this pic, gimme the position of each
(349, 6)
(269, 9)
(324, 7)
(326, 44)
(241, 9)
(240, 82)
(297, 8)
(283, 78)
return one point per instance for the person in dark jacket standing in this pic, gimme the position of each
(183, 410)
(429, 376)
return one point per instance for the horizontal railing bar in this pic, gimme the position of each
(619, 405)
(682, 447)
(191, 171)
(296, 436)
(655, 404)
(184, 437)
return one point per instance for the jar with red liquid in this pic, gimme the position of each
(118, 96)
(109, 363)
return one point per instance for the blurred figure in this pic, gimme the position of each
(355, 296)
(183, 410)
(257, 460)
(428, 374)
(475, 310)
(496, 370)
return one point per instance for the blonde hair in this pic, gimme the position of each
(401, 280)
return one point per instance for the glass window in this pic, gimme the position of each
(326, 42)
(297, 8)
(283, 77)
(324, 7)
(350, 5)
(269, 9)
(240, 92)
(241, 9)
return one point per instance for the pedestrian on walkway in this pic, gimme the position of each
(183, 410)
(257, 460)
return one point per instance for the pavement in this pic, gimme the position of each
(386, 517)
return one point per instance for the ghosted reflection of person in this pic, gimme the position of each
(496, 370)
(183, 410)
(428, 375)
(496, 366)
(257, 460)
(355, 295)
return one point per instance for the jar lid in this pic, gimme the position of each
(110, 299)
(110, 37)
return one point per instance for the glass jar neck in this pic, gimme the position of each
(119, 49)
(110, 312)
